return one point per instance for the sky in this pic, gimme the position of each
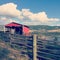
(30, 12)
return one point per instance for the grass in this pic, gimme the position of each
(4, 53)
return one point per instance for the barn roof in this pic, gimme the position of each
(15, 25)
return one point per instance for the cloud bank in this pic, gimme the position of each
(10, 13)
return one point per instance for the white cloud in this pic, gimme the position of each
(5, 20)
(9, 11)
(41, 16)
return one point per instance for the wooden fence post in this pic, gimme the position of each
(34, 47)
(4, 29)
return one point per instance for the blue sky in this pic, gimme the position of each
(48, 8)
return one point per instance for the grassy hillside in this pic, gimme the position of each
(45, 29)
(39, 27)
(9, 51)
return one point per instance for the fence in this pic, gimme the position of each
(38, 49)
(25, 43)
(35, 48)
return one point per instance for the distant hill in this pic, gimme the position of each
(46, 27)
(37, 27)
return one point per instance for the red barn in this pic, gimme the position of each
(16, 28)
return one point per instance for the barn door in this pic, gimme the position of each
(21, 30)
(17, 30)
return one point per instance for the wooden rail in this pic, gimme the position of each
(43, 49)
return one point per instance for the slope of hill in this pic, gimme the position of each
(9, 51)
(46, 27)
